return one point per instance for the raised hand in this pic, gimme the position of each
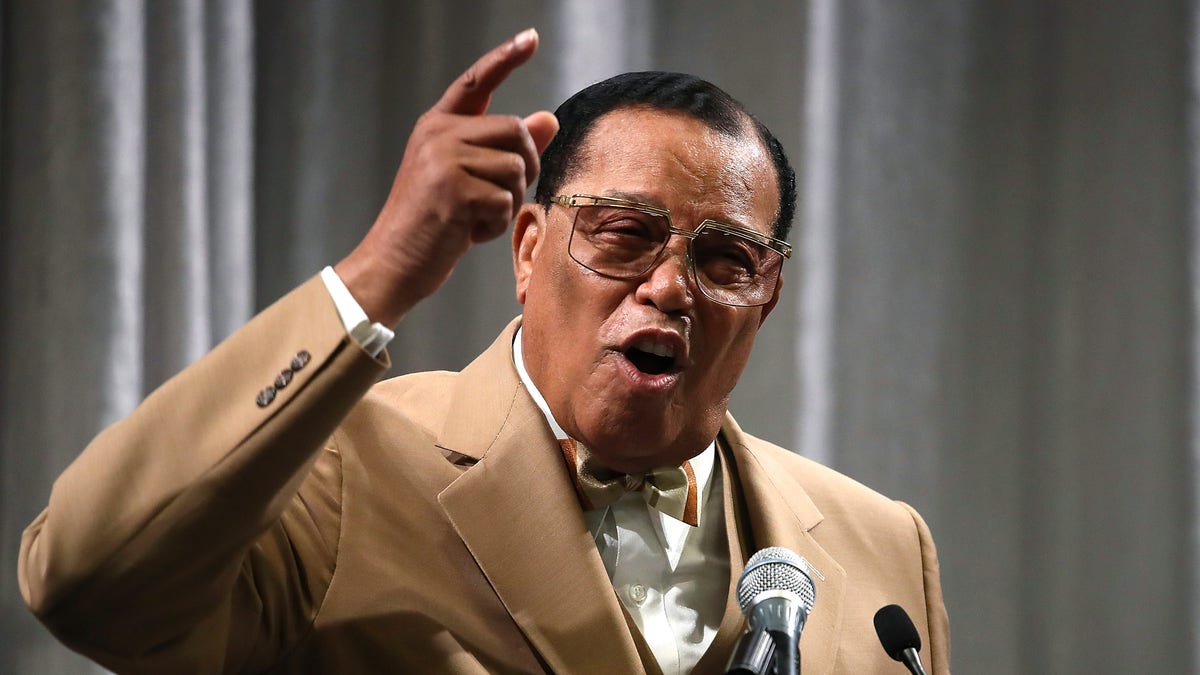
(462, 179)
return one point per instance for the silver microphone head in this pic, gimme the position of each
(773, 571)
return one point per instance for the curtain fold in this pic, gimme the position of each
(126, 188)
(72, 167)
(991, 314)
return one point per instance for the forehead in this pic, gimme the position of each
(673, 160)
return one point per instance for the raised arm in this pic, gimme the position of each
(199, 534)
(463, 177)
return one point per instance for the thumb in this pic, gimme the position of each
(542, 126)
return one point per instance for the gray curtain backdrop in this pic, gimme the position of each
(991, 314)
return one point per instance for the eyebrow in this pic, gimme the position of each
(639, 197)
(649, 200)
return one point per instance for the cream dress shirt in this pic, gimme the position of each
(671, 577)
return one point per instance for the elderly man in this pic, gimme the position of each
(576, 500)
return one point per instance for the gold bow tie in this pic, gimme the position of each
(671, 490)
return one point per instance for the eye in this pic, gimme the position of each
(727, 259)
(620, 226)
(622, 220)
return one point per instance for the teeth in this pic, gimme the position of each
(655, 348)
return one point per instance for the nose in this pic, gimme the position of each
(668, 285)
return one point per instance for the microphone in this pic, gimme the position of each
(899, 637)
(776, 595)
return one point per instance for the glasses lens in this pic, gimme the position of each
(733, 269)
(625, 242)
(617, 241)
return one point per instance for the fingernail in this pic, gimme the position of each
(525, 38)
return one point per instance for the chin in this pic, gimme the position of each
(640, 442)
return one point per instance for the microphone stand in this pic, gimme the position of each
(757, 654)
(787, 653)
(754, 654)
(912, 660)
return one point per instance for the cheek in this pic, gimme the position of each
(583, 296)
(549, 285)
(572, 308)
(731, 349)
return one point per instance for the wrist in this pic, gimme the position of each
(381, 292)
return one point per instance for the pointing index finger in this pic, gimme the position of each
(472, 91)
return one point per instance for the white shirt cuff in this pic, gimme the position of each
(372, 337)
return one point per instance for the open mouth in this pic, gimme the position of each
(650, 357)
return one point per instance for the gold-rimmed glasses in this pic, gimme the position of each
(623, 239)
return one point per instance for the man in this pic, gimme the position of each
(262, 512)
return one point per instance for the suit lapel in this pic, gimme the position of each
(780, 513)
(716, 658)
(519, 517)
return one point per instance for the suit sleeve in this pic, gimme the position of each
(936, 618)
(199, 534)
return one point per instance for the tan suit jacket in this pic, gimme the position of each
(427, 525)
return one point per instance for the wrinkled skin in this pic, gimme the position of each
(462, 179)
(578, 325)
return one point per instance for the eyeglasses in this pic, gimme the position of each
(621, 239)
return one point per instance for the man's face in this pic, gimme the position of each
(582, 331)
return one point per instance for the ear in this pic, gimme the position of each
(526, 244)
(766, 309)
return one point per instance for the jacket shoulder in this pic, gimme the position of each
(836, 495)
(416, 399)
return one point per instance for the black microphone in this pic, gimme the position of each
(899, 637)
(776, 594)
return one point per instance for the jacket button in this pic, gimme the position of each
(284, 378)
(301, 359)
(265, 397)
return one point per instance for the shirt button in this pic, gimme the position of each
(637, 593)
